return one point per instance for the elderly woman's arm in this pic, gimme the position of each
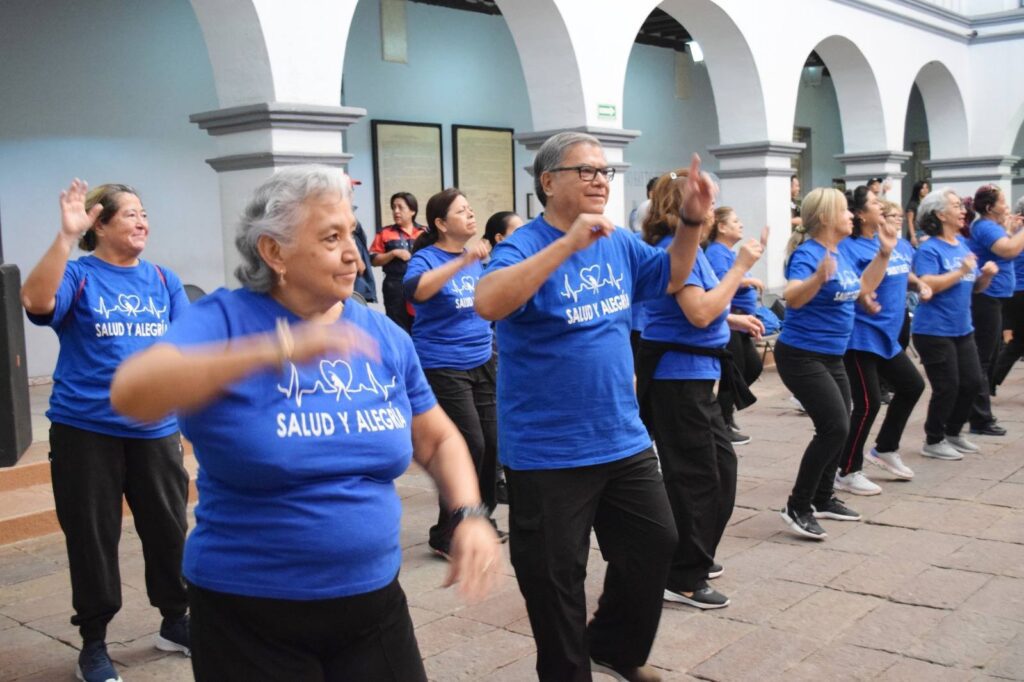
(162, 379)
(440, 449)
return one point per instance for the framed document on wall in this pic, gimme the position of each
(483, 160)
(406, 158)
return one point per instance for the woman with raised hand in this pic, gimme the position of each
(726, 232)
(303, 410)
(454, 344)
(104, 307)
(820, 294)
(1013, 309)
(678, 363)
(874, 352)
(942, 330)
(992, 242)
(921, 189)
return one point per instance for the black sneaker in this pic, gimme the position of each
(175, 635)
(737, 438)
(94, 664)
(835, 509)
(501, 491)
(703, 597)
(803, 524)
(731, 424)
(990, 429)
(642, 673)
(502, 536)
(715, 571)
(442, 550)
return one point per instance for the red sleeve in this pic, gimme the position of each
(378, 243)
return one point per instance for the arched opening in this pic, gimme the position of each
(818, 125)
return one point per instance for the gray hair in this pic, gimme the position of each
(275, 210)
(552, 152)
(927, 218)
(1019, 208)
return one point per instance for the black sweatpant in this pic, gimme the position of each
(951, 363)
(394, 302)
(746, 357)
(819, 382)
(363, 637)
(551, 513)
(699, 467)
(468, 398)
(91, 472)
(1013, 319)
(864, 371)
(987, 315)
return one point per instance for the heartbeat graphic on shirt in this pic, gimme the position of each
(590, 281)
(338, 380)
(466, 285)
(131, 305)
(848, 280)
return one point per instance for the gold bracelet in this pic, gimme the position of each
(285, 341)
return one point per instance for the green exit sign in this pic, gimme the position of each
(606, 112)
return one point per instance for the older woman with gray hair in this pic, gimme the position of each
(302, 411)
(942, 330)
(576, 454)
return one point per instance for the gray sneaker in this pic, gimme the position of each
(962, 444)
(941, 450)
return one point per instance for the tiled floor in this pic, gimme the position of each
(930, 586)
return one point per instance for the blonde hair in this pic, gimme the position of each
(823, 206)
(665, 213)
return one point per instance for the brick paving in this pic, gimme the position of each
(930, 586)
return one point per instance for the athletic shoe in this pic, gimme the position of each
(441, 550)
(175, 635)
(886, 397)
(732, 425)
(94, 664)
(737, 438)
(502, 536)
(835, 509)
(715, 571)
(857, 483)
(501, 491)
(891, 462)
(643, 673)
(990, 429)
(797, 404)
(963, 445)
(703, 597)
(803, 524)
(941, 450)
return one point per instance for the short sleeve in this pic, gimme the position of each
(718, 260)
(176, 292)
(505, 253)
(802, 264)
(67, 292)
(205, 321)
(986, 233)
(378, 243)
(652, 269)
(926, 262)
(417, 266)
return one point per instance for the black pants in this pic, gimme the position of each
(394, 302)
(819, 382)
(864, 371)
(951, 363)
(468, 398)
(746, 357)
(551, 513)
(91, 472)
(1013, 319)
(363, 637)
(987, 315)
(699, 467)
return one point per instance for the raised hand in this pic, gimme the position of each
(587, 229)
(969, 262)
(74, 221)
(698, 193)
(765, 232)
(826, 267)
(888, 236)
(749, 254)
(476, 559)
(477, 251)
(989, 269)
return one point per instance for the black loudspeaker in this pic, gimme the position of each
(15, 417)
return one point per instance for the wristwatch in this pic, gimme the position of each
(460, 514)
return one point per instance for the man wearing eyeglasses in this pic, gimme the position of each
(576, 454)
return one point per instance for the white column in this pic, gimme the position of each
(966, 174)
(755, 182)
(862, 166)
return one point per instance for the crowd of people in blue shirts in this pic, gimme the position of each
(572, 359)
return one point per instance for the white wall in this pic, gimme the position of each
(102, 89)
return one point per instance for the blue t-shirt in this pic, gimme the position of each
(667, 322)
(722, 259)
(565, 378)
(947, 313)
(1018, 272)
(880, 333)
(446, 331)
(103, 314)
(297, 466)
(985, 233)
(823, 324)
(639, 310)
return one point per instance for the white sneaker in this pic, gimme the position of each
(962, 444)
(891, 462)
(857, 483)
(941, 450)
(797, 404)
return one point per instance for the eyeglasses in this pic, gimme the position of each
(587, 173)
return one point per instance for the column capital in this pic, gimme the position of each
(617, 138)
(972, 168)
(279, 115)
(879, 157)
(756, 159)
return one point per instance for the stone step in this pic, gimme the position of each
(26, 496)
